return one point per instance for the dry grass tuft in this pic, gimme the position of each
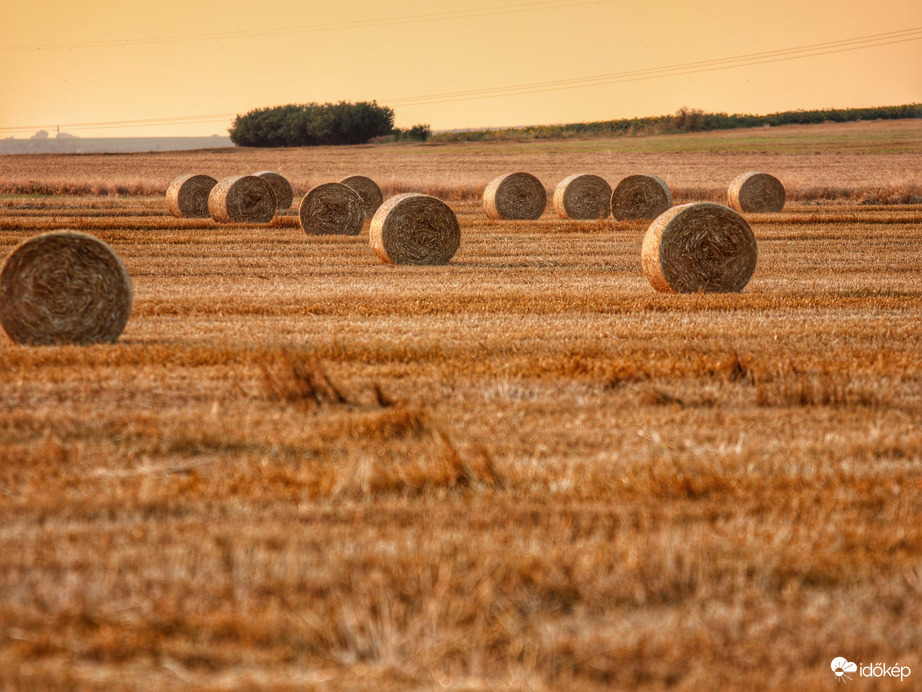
(300, 379)
(787, 386)
(891, 194)
(434, 465)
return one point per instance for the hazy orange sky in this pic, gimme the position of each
(185, 68)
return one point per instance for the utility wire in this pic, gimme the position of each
(807, 51)
(746, 60)
(310, 28)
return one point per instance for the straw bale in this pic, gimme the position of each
(242, 199)
(640, 197)
(281, 188)
(415, 229)
(515, 196)
(187, 195)
(368, 190)
(332, 209)
(64, 287)
(699, 248)
(756, 193)
(582, 196)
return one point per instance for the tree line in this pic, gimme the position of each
(683, 120)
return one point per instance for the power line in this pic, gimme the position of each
(746, 60)
(146, 122)
(309, 28)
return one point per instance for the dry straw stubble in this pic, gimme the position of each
(187, 195)
(281, 188)
(699, 248)
(64, 287)
(332, 209)
(368, 190)
(582, 196)
(515, 196)
(242, 199)
(640, 197)
(415, 229)
(756, 193)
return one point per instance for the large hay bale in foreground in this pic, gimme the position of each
(332, 209)
(582, 196)
(699, 248)
(640, 197)
(64, 288)
(756, 193)
(415, 229)
(281, 188)
(515, 196)
(187, 195)
(368, 190)
(242, 199)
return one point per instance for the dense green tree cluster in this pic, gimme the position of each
(311, 124)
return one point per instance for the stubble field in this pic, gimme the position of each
(300, 468)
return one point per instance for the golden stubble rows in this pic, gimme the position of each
(534, 472)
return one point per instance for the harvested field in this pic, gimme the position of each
(300, 468)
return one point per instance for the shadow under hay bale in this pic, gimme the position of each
(515, 196)
(332, 209)
(187, 196)
(368, 190)
(281, 188)
(582, 196)
(640, 197)
(64, 288)
(699, 248)
(415, 229)
(756, 193)
(242, 199)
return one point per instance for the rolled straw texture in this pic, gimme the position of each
(242, 199)
(756, 193)
(699, 248)
(281, 188)
(64, 288)
(582, 196)
(368, 190)
(187, 196)
(519, 196)
(640, 197)
(332, 209)
(415, 229)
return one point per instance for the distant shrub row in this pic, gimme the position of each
(684, 120)
(314, 124)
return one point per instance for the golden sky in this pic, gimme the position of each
(184, 68)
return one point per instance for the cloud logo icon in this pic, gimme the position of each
(840, 666)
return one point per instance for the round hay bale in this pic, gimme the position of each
(640, 197)
(332, 209)
(187, 196)
(281, 188)
(582, 196)
(368, 190)
(415, 229)
(64, 288)
(756, 192)
(242, 199)
(518, 196)
(699, 248)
